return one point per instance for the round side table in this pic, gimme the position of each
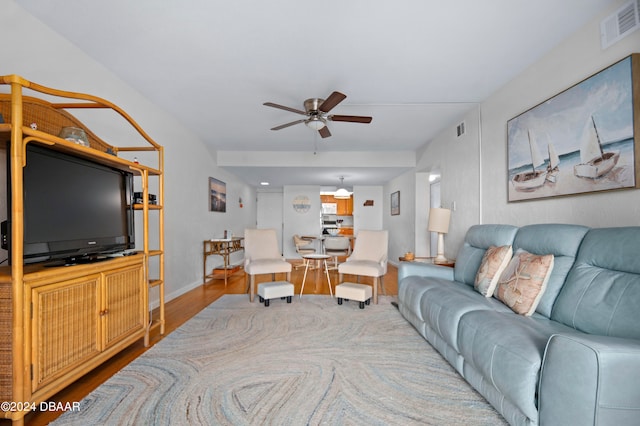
(320, 260)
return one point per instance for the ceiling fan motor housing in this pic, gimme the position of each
(312, 105)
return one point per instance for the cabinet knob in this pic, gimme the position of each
(103, 313)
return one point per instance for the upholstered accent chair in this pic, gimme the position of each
(369, 258)
(262, 256)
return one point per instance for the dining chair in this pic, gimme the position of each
(303, 246)
(369, 258)
(262, 256)
(337, 246)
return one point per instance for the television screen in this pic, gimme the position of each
(74, 209)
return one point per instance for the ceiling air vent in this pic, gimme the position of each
(622, 23)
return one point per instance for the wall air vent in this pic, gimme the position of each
(460, 129)
(622, 23)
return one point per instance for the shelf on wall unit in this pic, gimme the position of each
(151, 207)
(154, 283)
(154, 325)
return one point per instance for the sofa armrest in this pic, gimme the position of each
(407, 269)
(590, 380)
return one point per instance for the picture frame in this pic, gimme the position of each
(395, 203)
(217, 195)
(582, 140)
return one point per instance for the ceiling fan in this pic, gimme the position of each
(316, 111)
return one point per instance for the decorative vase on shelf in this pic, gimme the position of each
(75, 135)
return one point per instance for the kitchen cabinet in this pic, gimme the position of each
(344, 206)
(346, 231)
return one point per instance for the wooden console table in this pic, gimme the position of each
(223, 248)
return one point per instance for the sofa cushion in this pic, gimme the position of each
(524, 281)
(443, 306)
(560, 240)
(603, 289)
(494, 261)
(507, 349)
(477, 240)
(411, 290)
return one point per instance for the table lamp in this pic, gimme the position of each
(439, 222)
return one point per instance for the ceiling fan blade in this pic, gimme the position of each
(350, 118)
(282, 126)
(324, 132)
(334, 99)
(286, 108)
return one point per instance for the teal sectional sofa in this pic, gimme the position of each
(575, 360)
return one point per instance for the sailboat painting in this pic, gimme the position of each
(582, 140)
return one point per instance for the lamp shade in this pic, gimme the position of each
(342, 194)
(439, 220)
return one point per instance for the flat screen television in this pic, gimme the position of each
(75, 210)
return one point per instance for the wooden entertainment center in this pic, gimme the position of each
(57, 323)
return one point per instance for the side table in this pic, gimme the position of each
(220, 247)
(449, 262)
(320, 260)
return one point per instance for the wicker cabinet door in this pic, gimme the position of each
(65, 328)
(124, 304)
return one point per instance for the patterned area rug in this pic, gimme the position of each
(308, 362)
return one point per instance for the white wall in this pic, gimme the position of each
(474, 167)
(307, 223)
(368, 217)
(576, 59)
(402, 230)
(457, 161)
(41, 55)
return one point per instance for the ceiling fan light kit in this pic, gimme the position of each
(316, 110)
(316, 123)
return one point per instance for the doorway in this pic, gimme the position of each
(434, 202)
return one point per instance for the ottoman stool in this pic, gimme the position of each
(359, 292)
(274, 289)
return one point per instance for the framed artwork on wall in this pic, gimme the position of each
(301, 204)
(582, 140)
(395, 203)
(217, 195)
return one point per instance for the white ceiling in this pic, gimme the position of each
(416, 66)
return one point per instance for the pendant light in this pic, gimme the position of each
(342, 193)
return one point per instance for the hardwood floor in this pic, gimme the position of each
(180, 310)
